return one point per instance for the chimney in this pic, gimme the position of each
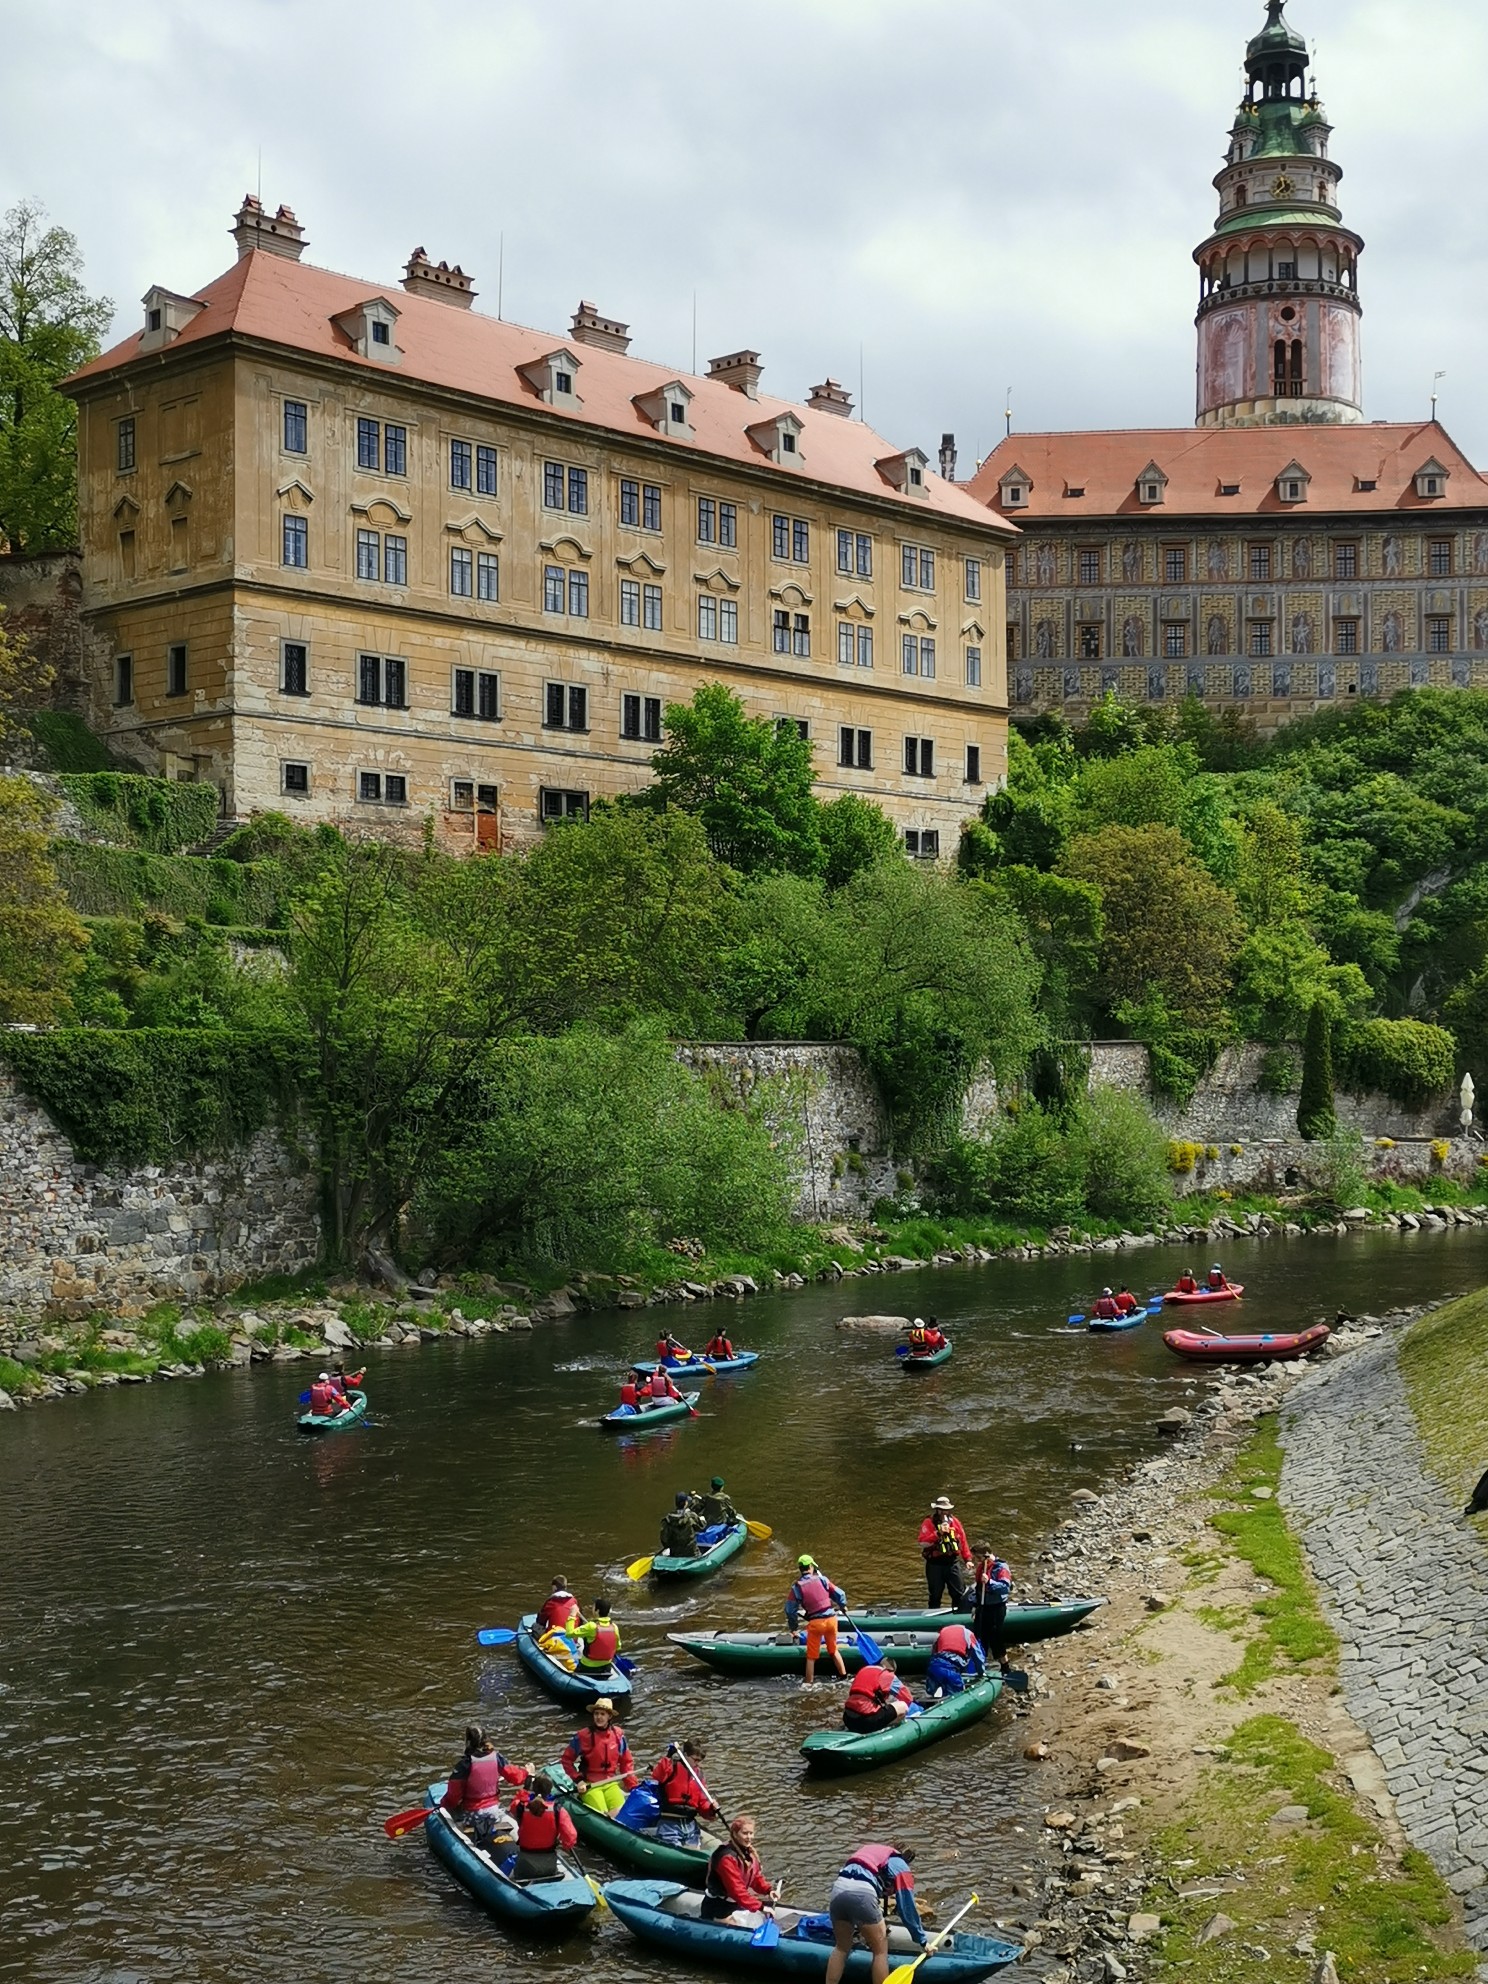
(741, 370)
(831, 396)
(275, 234)
(948, 458)
(605, 333)
(444, 284)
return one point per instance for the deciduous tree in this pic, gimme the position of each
(41, 940)
(748, 779)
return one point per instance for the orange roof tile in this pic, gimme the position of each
(1200, 461)
(293, 304)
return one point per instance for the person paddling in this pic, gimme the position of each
(680, 1526)
(1107, 1309)
(667, 1347)
(993, 1582)
(877, 1698)
(1217, 1279)
(558, 1611)
(659, 1387)
(946, 1552)
(474, 1786)
(542, 1827)
(685, 1798)
(717, 1508)
(324, 1402)
(815, 1594)
(956, 1659)
(599, 1640)
(736, 1891)
(598, 1760)
(720, 1350)
(1126, 1302)
(874, 1880)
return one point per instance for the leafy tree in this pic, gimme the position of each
(1315, 1118)
(1144, 787)
(1065, 926)
(1123, 1156)
(24, 681)
(1282, 974)
(1028, 823)
(772, 955)
(41, 940)
(855, 834)
(748, 779)
(1271, 884)
(49, 325)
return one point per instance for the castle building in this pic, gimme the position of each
(1283, 554)
(366, 555)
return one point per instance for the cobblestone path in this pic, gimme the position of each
(1405, 1583)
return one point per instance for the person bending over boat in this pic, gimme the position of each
(877, 1698)
(685, 1799)
(1107, 1308)
(599, 1761)
(475, 1783)
(716, 1508)
(325, 1400)
(1187, 1283)
(874, 1880)
(558, 1611)
(992, 1584)
(599, 1642)
(946, 1552)
(956, 1659)
(736, 1892)
(679, 1528)
(720, 1350)
(815, 1594)
(542, 1827)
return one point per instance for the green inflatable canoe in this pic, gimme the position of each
(837, 1751)
(688, 1864)
(923, 1360)
(707, 1561)
(337, 1422)
(629, 1419)
(1026, 1624)
(785, 1653)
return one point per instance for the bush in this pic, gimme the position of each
(1124, 1156)
(155, 814)
(1339, 1170)
(1279, 1072)
(1404, 1059)
(1105, 1158)
(1315, 1117)
(1182, 1157)
(68, 745)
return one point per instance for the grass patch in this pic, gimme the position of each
(1444, 1362)
(1293, 1633)
(1332, 1878)
(17, 1379)
(311, 1285)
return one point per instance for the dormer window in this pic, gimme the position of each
(780, 439)
(1431, 480)
(1014, 488)
(154, 319)
(1229, 489)
(555, 378)
(1291, 484)
(787, 441)
(916, 476)
(669, 409)
(906, 472)
(1152, 485)
(381, 333)
(372, 328)
(166, 316)
(563, 382)
(676, 413)
(1072, 491)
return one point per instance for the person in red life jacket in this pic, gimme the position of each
(598, 1760)
(659, 1387)
(633, 1392)
(877, 1698)
(874, 1880)
(720, 1350)
(956, 1659)
(1107, 1308)
(736, 1891)
(542, 1827)
(1217, 1279)
(946, 1552)
(685, 1798)
(558, 1611)
(814, 1594)
(668, 1346)
(1126, 1302)
(992, 1583)
(475, 1784)
(599, 1638)
(325, 1402)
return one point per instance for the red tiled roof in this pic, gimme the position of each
(1199, 461)
(292, 304)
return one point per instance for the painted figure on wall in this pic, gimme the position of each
(1043, 640)
(1480, 554)
(1302, 558)
(1393, 559)
(1219, 560)
(1480, 629)
(1131, 638)
(1301, 633)
(1131, 563)
(1044, 564)
(1219, 634)
(1392, 634)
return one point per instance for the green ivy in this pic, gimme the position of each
(119, 881)
(154, 814)
(148, 1095)
(1404, 1059)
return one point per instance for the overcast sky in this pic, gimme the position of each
(969, 193)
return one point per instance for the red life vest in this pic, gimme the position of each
(1126, 1302)
(629, 1394)
(680, 1790)
(1106, 1308)
(956, 1639)
(1187, 1285)
(324, 1402)
(537, 1828)
(557, 1612)
(875, 1861)
(815, 1595)
(871, 1688)
(483, 1783)
(604, 1752)
(720, 1348)
(599, 1652)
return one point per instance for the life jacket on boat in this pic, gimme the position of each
(1217, 1278)
(600, 1647)
(1127, 1303)
(628, 1393)
(1187, 1285)
(681, 1794)
(537, 1826)
(603, 1753)
(814, 1595)
(1106, 1308)
(556, 1613)
(720, 1350)
(960, 1642)
(874, 1862)
(324, 1402)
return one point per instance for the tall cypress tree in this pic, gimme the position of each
(1315, 1118)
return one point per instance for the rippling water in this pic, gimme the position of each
(226, 1653)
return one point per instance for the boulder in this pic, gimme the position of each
(1142, 1928)
(7, 1403)
(1213, 1929)
(883, 1324)
(336, 1334)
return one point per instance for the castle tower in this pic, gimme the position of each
(1279, 312)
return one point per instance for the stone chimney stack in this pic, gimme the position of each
(740, 369)
(831, 396)
(948, 458)
(444, 284)
(604, 333)
(275, 234)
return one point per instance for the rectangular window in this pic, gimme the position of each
(801, 636)
(1439, 558)
(973, 668)
(395, 451)
(475, 693)
(855, 748)
(395, 790)
(369, 443)
(728, 621)
(1345, 561)
(369, 678)
(973, 764)
(123, 680)
(565, 707)
(462, 795)
(462, 692)
(909, 564)
(1090, 643)
(552, 485)
(922, 844)
(1260, 561)
(578, 491)
(927, 571)
(864, 551)
(650, 506)
(845, 551)
(640, 718)
(485, 471)
(1175, 640)
(296, 427)
(919, 757)
(865, 647)
(395, 683)
(651, 608)
(294, 669)
(1345, 637)
(1260, 637)
(728, 526)
(368, 554)
(487, 575)
(847, 643)
(175, 669)
(125, 433)
(1175, 565)
(927, 659)
(707, 520)
(296, 546)
(909, 646)
(780, 632)
(369, 788)
(630, 603)
(780, 537)
(630, 502)
(974, 578)
(1090, 568)
(555, 588)
(555, 805)
(578, 595)
(462, 465)
(1438, 636)
(294, 779)
(707, 617)
(801, 541)
(395, 560)
(462, 572)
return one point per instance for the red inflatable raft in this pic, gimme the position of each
(1245, 1349)
(1201, 1296)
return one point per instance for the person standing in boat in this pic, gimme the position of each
(815, 1594)
(877, 1698)
(946, 1552)
(475, 1784)
(542, 1827)
(599, 1761)
(874, 1880)
(680, 1526)
(736, 1892)
(992, 1583)
(685, 1799)
(956, 1659)
(599, 1641)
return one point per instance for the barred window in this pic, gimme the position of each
(294, 669)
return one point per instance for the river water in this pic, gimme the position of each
(226, 1652)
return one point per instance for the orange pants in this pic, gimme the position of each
(819, 1633)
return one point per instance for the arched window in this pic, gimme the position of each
(1242, 198)
(1281, 368)
(1297, 369)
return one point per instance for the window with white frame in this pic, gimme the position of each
(295, 543)
(475, 693)
(973, 668)
(640, 718)
(919, 757)
(382, 789)
(565, 706)
(630, 603)
(462, 572)
(487, 575)
(973, 578)
(294, 668)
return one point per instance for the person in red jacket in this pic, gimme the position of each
(542, 1827)
(1187, 1284)
(956, 1658)
(475, 1783)
(668, 1346)
(720, 1350)
(685, 1799)
(736, 1890)
(598, 1760)
(631, 1391)
(1107, 1309)
(874, 1880)
(877, 1698)
(946, 1552)
(325, 1402)
(990, 1593)
(658, 1387)
(1126, 1302)
(558, 1611)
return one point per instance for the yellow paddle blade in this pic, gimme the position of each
(636, 1571)
(598, 1893)
(761, 1531)
(905, 1973)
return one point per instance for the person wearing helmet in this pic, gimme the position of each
(1188, 1282)
(1217, 1281)
(680, 1526)
(324, 1403)
(815, 1595)
(1107, 1309)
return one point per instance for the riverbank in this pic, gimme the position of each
(1219, 1809)
(312, 1317)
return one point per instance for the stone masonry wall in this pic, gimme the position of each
(42, 599)
(75, 1237)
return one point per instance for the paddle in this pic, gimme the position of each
(594, 1888)
(906, 1971)
(869, 1647)
(496, 1636)
(1015, 1679)
(766, 1936)
(405, 1822)
(636, 1571)
(623, 1665)
(760, 1531)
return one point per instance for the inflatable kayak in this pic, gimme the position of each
(1245, 1349)
(1111, 1325)
(1203, 1296)
(926, 1360)
(836, 1751)
(687, 1864)
(577, 1689)
(1026, 1624)
(785, 1653)
(631, 1419)
(336, 1422)
(707, 1561)
(553, 1907)
(714, 1367)
(669, 1918)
